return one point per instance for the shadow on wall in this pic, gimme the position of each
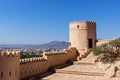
(32, 67)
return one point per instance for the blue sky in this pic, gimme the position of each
(41, 21)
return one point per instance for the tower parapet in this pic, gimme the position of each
(89, 21)
(9, 65)
(53, 53)
(9, 54)
(81, 24)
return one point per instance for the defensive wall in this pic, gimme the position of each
(14, 68)
(99, 42)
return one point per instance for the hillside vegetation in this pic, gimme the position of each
(108, 52)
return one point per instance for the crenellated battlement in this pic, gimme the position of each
(105, 40)
(53, 53)
(9, 63)
(9, 54)
(82, 22)
(99, 42)
(68, 50)
(45, 54)
(82, 25)
(27, 60)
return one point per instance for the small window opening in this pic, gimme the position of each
(10, 73)
(1, 74)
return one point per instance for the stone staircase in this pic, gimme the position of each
(84, 69)
(80, 73)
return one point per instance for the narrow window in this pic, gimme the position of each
(77, 26)
(10, 73)
(1, 74)
(12, 55)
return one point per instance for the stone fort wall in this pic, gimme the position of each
(99, 42)
(9, 65)
(14, 68)
(33, 66)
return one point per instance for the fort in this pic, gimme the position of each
(82, 36)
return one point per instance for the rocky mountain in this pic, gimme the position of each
(52, 44)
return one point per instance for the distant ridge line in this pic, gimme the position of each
(52, 44)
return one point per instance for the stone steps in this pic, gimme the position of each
(80, 73)
(80, 70)
(82, 63)
(86, 65)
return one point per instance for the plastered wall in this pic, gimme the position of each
(99, 42)
(9, 65)
(33, 66)
(79, 34)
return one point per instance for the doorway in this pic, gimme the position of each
(90, 43)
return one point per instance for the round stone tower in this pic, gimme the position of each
(9, 65)
(82, 34)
